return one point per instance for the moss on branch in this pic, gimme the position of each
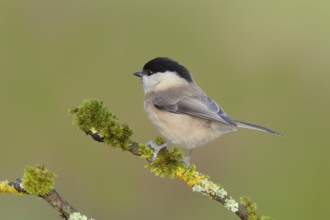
(38, 180)
(96, 120)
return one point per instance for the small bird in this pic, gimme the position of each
(180, 110)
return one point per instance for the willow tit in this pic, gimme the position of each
(179, 108)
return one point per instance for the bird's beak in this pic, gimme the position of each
(138, 74)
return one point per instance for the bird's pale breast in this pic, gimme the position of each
(185, 130)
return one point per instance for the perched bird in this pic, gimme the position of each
(179, 108)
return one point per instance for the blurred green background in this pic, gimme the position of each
(265, 62)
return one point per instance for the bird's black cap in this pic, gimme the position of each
(163, 64)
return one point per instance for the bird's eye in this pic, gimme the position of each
(149, 73)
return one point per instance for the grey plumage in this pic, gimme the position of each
(256, 127)
(191, 100)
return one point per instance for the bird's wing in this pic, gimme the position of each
(191, 101)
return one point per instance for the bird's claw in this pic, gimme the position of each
(186, 160)
(156, 148)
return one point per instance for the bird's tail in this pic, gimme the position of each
(241, 124)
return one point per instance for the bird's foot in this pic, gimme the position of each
(186, 161)
(187, 158)
(157, 148)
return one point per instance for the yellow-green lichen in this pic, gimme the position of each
(6, 188)
(200, 183)
(94, 118)
(38, 180)
(190, 175)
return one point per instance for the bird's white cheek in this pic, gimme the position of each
(149, 82)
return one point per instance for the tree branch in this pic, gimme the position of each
(96, 120)
(35, 181)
